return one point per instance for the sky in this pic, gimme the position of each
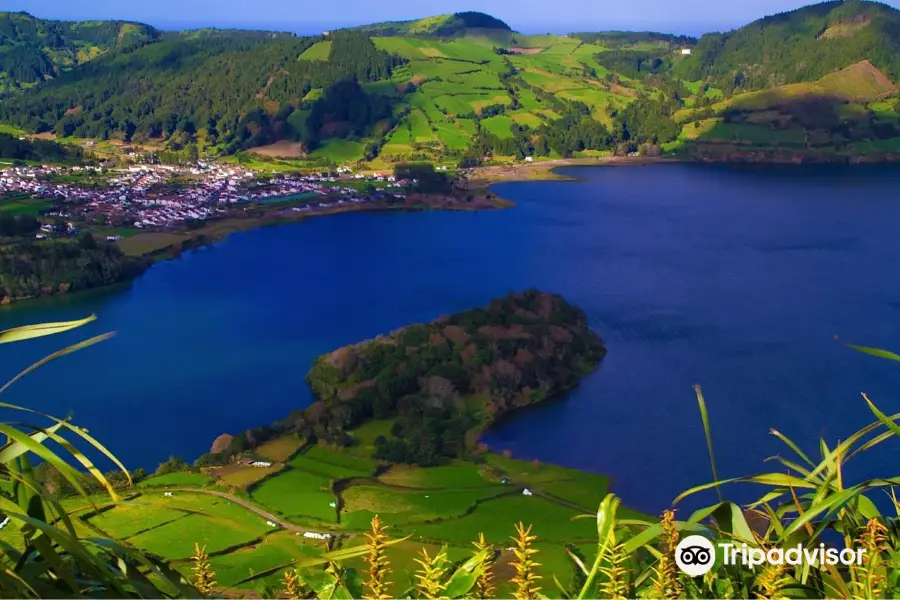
(691, 17)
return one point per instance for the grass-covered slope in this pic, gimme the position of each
(441, 26)
(850, 113)
(446, 380)
(800, 45)
(32, 49)
(464, 89)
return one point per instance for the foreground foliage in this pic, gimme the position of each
(807, 502)
(51, 558)
(807, 506)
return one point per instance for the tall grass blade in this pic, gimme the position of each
(704, 416)
(875, 352)
(606, 520)
(28, 332)
(883, 418)
(58, 354)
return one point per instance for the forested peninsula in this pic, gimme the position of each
(441, 383)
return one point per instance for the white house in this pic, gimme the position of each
(527, 492)
(529, 159)
(685, 51)
(261, 463)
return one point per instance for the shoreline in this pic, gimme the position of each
(480, 182)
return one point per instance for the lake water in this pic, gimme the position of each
(736, 279)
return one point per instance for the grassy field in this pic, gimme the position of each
(318, 51)
(273, 551)
(9, 129)
(242, 476)
(338, 151)
(365, 436)
(169, 526)
(280, 449)
(21, 204)
(144, 243)
(403, 507)
(457, 475)
(493, 519)
(446, 505)
(181, 479)
(297, 493)
(498, 126)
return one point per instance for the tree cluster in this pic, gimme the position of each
(18, 225)
(43, 151)
(635, 64)
(41, 269)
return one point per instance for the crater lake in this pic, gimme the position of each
(737, 279)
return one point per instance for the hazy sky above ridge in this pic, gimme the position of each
(528, 16)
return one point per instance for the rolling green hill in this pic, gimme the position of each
(848, 113)
(32, 50)
(465, 88)
(441, 26)
(800, 45)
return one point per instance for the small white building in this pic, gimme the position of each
(529, 159)
(527, 492)
(685, 51)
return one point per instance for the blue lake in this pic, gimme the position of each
(737, 279)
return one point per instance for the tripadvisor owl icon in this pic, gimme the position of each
(695, 555)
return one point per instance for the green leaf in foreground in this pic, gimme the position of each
(875, 352)
(28, 332)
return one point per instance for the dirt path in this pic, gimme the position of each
(254, 509)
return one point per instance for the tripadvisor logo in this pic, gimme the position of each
(695, 555)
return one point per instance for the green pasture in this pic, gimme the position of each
(273, 551)
(403, 507)
(181, 479)
(419, 127)
(339, 151)
(460, 475)
(23, 204)
(318, 51)
(297, 493)
(497, 517)
(499, 126)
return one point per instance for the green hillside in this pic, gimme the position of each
(465, 89)
(441, 26)
(32, 50)
(851, 112)
(800, 45)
